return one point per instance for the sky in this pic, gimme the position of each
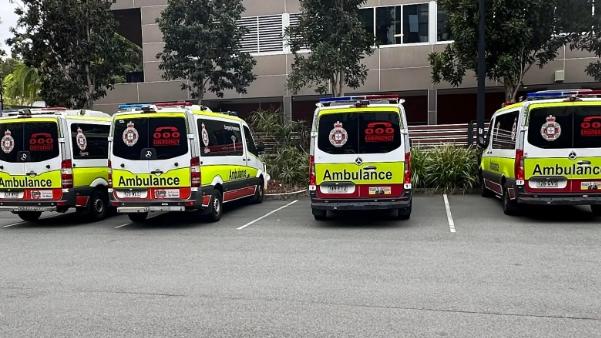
(8, 19)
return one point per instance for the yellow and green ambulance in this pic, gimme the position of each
(54, 159)
(360, 156)
(545, 150)
(177, 157)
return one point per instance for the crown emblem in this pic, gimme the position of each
(130, 124)
(551, 118)
(7, 132)
(338, 124)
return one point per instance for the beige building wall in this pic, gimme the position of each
(395, 68)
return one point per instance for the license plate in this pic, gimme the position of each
(380, 191)
(41, 194)
(166, 193)
(132, 194)
(11, 195)
(548, 184)
(340, 189)
(591, 186)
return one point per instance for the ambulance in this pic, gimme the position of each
(178, 157)
(360, 156)
(545, 150)
(54, 159)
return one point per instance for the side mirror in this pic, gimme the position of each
(260, 148)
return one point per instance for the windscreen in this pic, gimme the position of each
(565, 127)
(158, 138)
(359, 133)
(29, 141)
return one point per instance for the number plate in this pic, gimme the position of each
(339, 189)
(134, 194)
(548, 184)
(166, 193)
(380, 191)
(591, 186)
(11, 194)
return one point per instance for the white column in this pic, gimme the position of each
(433, 21)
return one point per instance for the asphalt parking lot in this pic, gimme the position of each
(271, 270)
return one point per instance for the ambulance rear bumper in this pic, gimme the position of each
(67, 201)
(140, 206)
(138, 210)
(384, 204)
(559, 199)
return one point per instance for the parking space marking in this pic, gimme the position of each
(449, 215)
(266, 215)
(121, 226)
(12, 225)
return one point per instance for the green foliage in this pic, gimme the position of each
(74, 47)
(202, 44)
(447, 168)
(287, 163)
(519, 35)
(338, 41)
(22, 86)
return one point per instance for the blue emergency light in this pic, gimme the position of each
(559, 94)
(354, 99)
(133, 106)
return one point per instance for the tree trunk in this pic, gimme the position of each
(510, 91)
(200, 92)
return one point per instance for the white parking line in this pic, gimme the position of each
(12, 225)
(266, 215)
(122, 225)
(449, 215)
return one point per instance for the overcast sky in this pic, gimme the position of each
(9, 19)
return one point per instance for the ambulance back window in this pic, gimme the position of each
(28, 141)
(565, 127)
(359, 133)
(166, 137)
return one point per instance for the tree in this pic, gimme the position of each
(519, 35)
(22, 86)
(203, 45)
(338, 41)
(74, 47)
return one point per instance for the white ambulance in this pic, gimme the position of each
(176, 157)
(360, 156)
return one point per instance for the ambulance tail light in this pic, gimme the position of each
(312, 180)
(110, 177)
(195, 172)
(407, 177)
(519, 167)
(67, 174)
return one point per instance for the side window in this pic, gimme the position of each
(90, 141)
(218, 138)
(250, 142)
(505, 131)
(489, 132)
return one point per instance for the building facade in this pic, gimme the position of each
(406, 31)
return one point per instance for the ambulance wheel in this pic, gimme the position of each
(259, 193)
(30, 216)
(319, 215)
(215, 206)
(98, 208)
(402, 213)
(510, 207)
(596, 209)
(484, 192)
(138, 217)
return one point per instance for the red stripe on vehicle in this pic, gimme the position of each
(238, 194)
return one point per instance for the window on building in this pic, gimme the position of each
(264, 34)
(402, 24)
(366, 15)
(444, 30)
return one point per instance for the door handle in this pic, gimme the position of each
(370, 168)
(156, 172)
(584, 162)
(32, 173)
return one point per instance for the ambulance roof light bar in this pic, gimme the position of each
(360, 100)
(562, 94)
(142, 106)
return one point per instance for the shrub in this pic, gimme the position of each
(447, 168)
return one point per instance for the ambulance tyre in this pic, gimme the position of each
(98, 208)
(215, 206)
(259, 193)
(319, 215)
(596, 209)
(510, 208)
(403, 213)
(30, 216)
(138, 217)
(484, 192)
